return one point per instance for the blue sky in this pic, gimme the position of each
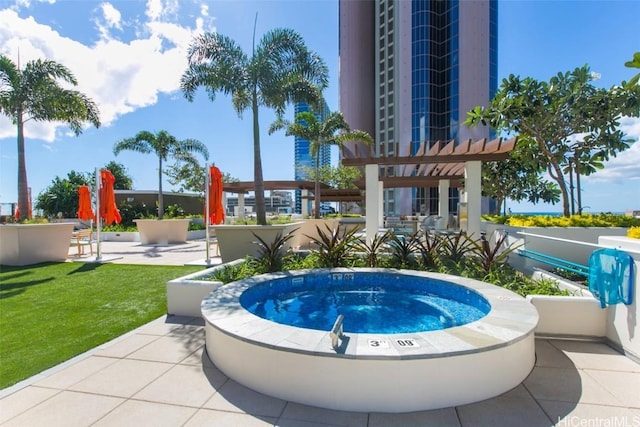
(129, 55)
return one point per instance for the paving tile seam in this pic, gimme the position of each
(532, 397)
(36, 405)
(622, 406)
(457, 412)
(604, 386)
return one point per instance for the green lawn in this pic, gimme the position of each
(51, 312)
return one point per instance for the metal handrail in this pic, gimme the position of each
(577, 242)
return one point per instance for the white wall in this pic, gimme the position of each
(622, 320)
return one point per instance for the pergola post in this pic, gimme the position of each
(473, 190)
(443, 200)
(304, 203)
(372, 201)
(240, 205)
(380, 204)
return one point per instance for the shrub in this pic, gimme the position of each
(585, 220)
(334, 247)
(271, 254)
(634, 233)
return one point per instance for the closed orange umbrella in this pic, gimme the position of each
(216, 208)
(85, 210)
(108, 209)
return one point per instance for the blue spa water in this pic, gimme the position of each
(380, 303)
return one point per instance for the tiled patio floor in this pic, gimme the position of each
(158, 375)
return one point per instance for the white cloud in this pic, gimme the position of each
(154, 9)
(625, 166)
(111, 15)
(162, 9)
(110, 18)
(119, 76)
(27, 3)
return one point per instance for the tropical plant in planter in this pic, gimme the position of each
(373, 248)
(271, 254)
(334, 247)
(489, 256)
(403, 249)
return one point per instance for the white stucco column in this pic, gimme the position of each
(304, 204)
(380, 204)
(473, 190)
(372, 201)
(240, 205)
(443, 199)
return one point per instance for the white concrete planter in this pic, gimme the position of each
(308, 231)
(237, 241)
(185, 294)
(25, 244)
(165, 231)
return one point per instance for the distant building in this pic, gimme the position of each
(276, 201)
(409, 72)
(303, 155)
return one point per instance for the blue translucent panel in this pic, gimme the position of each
(611, 276)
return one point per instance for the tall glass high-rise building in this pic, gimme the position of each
(303, 157)
(409, 72)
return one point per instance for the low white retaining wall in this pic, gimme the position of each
(185, 294)
(569, 316)
(568, 251)
(119, 236)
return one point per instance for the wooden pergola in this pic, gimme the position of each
(246, 186)
(441, 164)
(430, 165)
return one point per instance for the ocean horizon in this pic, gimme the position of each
(559, 213)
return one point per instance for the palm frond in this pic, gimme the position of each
(217, 63)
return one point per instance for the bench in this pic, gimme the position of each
(82, 238)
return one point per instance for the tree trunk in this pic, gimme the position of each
(160, 200)
(23, 186)
(499, 202)
(559, 179)
(258, 181)
(316, 188)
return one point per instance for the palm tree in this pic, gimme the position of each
(280, 70)
(35, 93)
(164, 145)
(333, 130)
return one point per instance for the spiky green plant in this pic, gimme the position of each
(334, 247)
(373, 248)
(429, 247)
(455, 247)
(490, 256)
(403, 249)
(271, 254)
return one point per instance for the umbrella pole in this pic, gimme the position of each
(98, 222)
(206, 209)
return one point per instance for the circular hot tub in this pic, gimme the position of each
(411, 341)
